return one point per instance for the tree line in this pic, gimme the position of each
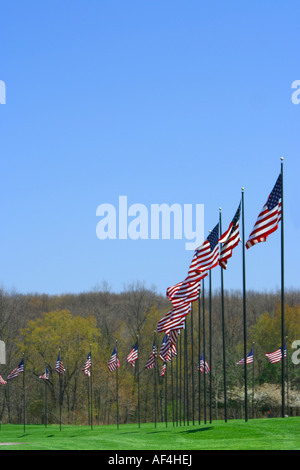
(39, 325)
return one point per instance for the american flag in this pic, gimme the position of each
(203, 366)
(249, 359)
(87, 365)
(230, 239)
(113, 362)
(45, 375)
(2, 381)
(181, 295)
(14, 373)
(206, 256)
(152, 358)
(163, 370)
(133, 355)
(59, 367)
(269, 217)
(276, 356)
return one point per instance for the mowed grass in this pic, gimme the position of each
(260, 434)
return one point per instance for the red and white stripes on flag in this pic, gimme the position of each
(230, 239)
(59, 367)
(14, 373)
(114, 361)
(152, 358)
(269, 217)
(206, 256)
(133, 355)
(167, 349)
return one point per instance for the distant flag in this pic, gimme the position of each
(276, 356)
(14, 373)
(87, 365)
(249, 359)
(2, 381)
(167, 349)
(206, 256)
(269, 217)
(133, 355)
(203, 366)
(59, 367)
(113, 362)
(45, 375)
(163, 370)
(152, 358)
(230, 239)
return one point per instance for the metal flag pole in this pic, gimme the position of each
(155, 381)
(91, 388)
(210, 349)
(282, 296)
(199, 356)
(117, 390)
(166, 395)
(180, 377)
(253, 381)
(46, 400)
(138, 380)
(24, 400)
(244, 307)
(287, 377)
(192, 344)
(60, 393)
(223, 329)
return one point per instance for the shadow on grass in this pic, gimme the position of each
(191, 431)
(183, 431)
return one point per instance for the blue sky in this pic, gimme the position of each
(164, 102)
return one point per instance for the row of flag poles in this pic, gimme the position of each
(216, 250)
(166, 353)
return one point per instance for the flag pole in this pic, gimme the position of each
(180, 378)
(155, 381)
(172, 389)
(166, 395)
(187, 380)
(91, 389)
(138, 380)
(282, 295)
(204, 378)
(117, 390)
(253, 381)
(199, 355)
(176, 388)
(46, 401)
(244, 307)
(223, 328)
(210, 349)
(192, 344)
(60, 394)
(287, 378)
(24, 400)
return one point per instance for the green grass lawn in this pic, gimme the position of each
(260, 434)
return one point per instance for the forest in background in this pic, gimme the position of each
(38, 325)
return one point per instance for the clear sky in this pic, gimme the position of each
(162, 101)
